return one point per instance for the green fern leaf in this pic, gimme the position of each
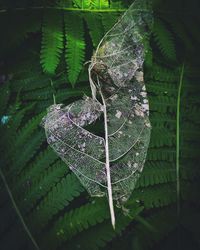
(153, 195)
(165, 89)
(162, 104)
(94, 23)
(52, 40)
(82, 4)
(99, 236)
(39, 188)
(26, 152)
(157, 172)
(78, 220)
(164, 39)
(26, 131)
(56, 200)
(162, 154)
(75, 46)
(100, 4)
(162, 137)
(108, 20)
(163, 74)
(160, 120)
(34, 172)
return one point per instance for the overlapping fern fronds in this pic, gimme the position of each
(49, 196)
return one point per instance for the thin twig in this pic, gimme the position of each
(17, 211)
(54, 97)
(64, 9)
(178, 140)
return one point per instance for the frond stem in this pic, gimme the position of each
(178, 140)
(17, 210)
(65, 9)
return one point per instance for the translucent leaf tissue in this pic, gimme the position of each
(109, 164)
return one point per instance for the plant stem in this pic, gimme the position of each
(17, 211)
(178, 140)
(65, 9)
(109, 185)
(54, 97)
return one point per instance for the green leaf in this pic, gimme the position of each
(164, 39)
(75, 45)
(56, 200)
(94, 24)
(52, 41)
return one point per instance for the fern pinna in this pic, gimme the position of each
(55, 208)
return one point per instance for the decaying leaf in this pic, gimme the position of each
(109, 165)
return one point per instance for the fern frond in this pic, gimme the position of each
(75, 45)
(163, 74)
(26, 131)
(99, 236)
(178, 27)
(152, 196)
(94, 23)
(165, 89)
(33, 173)
(56, 200)
(162, 137)
(17, 119)
(38, 94)
(30, 83)
(65, 94)
(160, 120)
(100, 4)
(26, 152)
(157, 172)
(86, 4)
(52, 40)
(108, 20)
(164, 40)
(117, 4)
(162, 104)
(39, 188)
(64, 3)
(162, 154)
(78, 220)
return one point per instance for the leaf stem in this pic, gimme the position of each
(65, 9)
(17, 211)
(109, 185)
(54, 97)
(178, 140)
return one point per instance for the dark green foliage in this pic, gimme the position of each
(55, 207)
(75, 45)
(52, 40)
(94, 23)
(164, 40)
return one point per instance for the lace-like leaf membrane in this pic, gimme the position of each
(116, 77)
